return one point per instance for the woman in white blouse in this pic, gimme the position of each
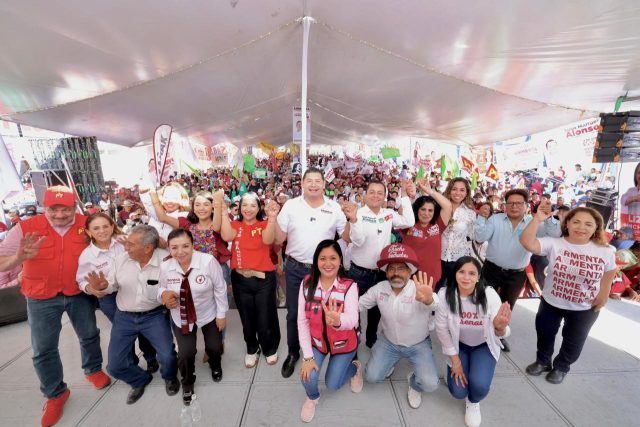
(98, 257)
(470, 320)
(457, 237)
(193, 287)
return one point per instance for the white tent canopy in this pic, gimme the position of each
(230, 71)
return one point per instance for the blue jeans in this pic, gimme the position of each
(153, 325)
(293, 274)
(339, 371)
(478, 365)
(385, 355)
(45, 320)
(108, 307)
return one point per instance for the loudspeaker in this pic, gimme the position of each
(618, 138)
(41, 180)
(605, 211)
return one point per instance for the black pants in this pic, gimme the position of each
(538, 264)
(447, 271)
(508, 284)
(187, 350)
(294, 272)
(365, 280)
(577, 325)
(257, 304)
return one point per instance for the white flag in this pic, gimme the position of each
(329, 174)
(161, 140)
(10, 183)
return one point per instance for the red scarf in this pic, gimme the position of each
(187, 308)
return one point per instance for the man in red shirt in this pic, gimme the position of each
(48, 247)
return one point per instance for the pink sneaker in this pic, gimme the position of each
(356, 381)
(308, 410)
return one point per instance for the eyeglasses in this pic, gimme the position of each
(515, 204)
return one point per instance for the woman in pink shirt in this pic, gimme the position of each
(327, 322)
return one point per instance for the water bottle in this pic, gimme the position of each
(196, 409)
(186, 416)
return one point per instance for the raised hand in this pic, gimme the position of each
(424, 287)
(170, 299)
(272, 209)
(502, 319)
(424, 185)
(218, 197)
(350, 211)
(29, 246)
(544, 210)
(97, 280)
(332, 313)
(410, 190)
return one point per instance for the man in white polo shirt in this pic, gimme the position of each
(304, 222)
(407, 308)
(369, 232)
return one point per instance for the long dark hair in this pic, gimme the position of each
(251, 195)
(191, 216)
(314, 276)
(420, 202)
(478, 297)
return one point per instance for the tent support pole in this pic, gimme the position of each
(306, 25)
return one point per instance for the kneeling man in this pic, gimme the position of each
(407, 315)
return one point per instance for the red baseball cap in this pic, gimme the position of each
(59, 195)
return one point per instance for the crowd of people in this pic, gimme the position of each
(413, 252)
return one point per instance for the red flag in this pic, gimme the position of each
(467, 164)
(492, 173)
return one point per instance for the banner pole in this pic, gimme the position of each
(306, 25)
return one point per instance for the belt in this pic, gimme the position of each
(368, 270)
(292, 259)
(142, 313)
(504, 270)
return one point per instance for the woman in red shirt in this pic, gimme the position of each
(253, 277)
(432, 212)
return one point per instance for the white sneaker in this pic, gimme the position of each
(273, 359)
(308, 410)
(472, 416)
(413, 396)
(393, 368)
(250, 360)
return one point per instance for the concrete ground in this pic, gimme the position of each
(601, 390)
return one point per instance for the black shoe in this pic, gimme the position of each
(136, 392)
(187, 394)
(172, 386)
(289, 365)
(537, 368)
(152, 366)
(555, 376)
(216, 374)
(505, 345)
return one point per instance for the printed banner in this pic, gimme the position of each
(161, 142)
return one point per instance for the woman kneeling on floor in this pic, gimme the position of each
(327, 322)
(470, 320)
(193, 287)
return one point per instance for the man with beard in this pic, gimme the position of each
(407, 307)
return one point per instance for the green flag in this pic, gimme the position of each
(474, 180)
(420, 174)
(249, 163)
(456, 169)
(242, 189)
(390, 152)
(443, 166)
(260, 173)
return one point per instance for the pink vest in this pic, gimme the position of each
(328, 339)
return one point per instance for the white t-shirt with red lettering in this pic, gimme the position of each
(471, 323)
(575, 271)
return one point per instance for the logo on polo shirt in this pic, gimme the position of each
(80, 231)
(326, 211)
(388, 217)
(200, 279)
(368, 219)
